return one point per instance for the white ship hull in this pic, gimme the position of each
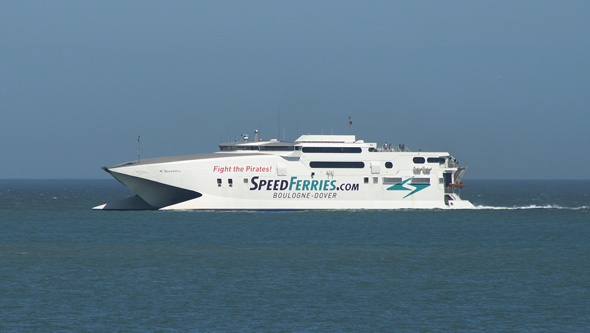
(315, 172)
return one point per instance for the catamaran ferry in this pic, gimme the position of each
(314, 172)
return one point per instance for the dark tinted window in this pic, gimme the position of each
(247, 147)
(419, 160)
(436, 160)
(332, 150)
(388, 165)
(277, 148)
(337, 165)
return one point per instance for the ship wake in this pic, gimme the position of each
(529, 207)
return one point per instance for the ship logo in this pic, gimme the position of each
(404, 186)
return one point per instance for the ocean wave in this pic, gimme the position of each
(531, 207)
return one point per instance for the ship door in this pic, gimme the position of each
(281, 169)
(448, 179)
(376, 167)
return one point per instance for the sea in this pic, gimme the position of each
(520, 261)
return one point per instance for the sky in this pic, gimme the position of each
(504, 86)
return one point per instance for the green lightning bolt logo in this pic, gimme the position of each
(413, 187)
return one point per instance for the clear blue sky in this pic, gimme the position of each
(504, 86)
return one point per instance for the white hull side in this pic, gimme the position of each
(274, 182)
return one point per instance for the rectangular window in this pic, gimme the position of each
(277, 148)
(391, 180)
(439, 160)
(420, 180)
(375, 180)
(332, 150)
(366, 180)
(337, 165)
(230, 182)
(218, 182)
(248, 147)
(245, 180)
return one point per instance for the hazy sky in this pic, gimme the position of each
(504, 86)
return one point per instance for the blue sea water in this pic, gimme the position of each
(521, 261)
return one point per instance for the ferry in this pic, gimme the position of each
(315, 172)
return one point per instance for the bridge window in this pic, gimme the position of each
(419, 160)
(248, 147)
(277, 148)
(332, 150)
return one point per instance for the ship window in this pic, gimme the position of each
(419, 160)
(230, 182)
(332, 150)
(248, 147)
(388, 165)
(338, 165)
(218, 182)
(391, 180)
(297, 147)
(420, 180)
(245, 180)
(439, 160)
(277, 148)
(375, 180)
(366, 180)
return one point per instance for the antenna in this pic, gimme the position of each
(138, 148)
